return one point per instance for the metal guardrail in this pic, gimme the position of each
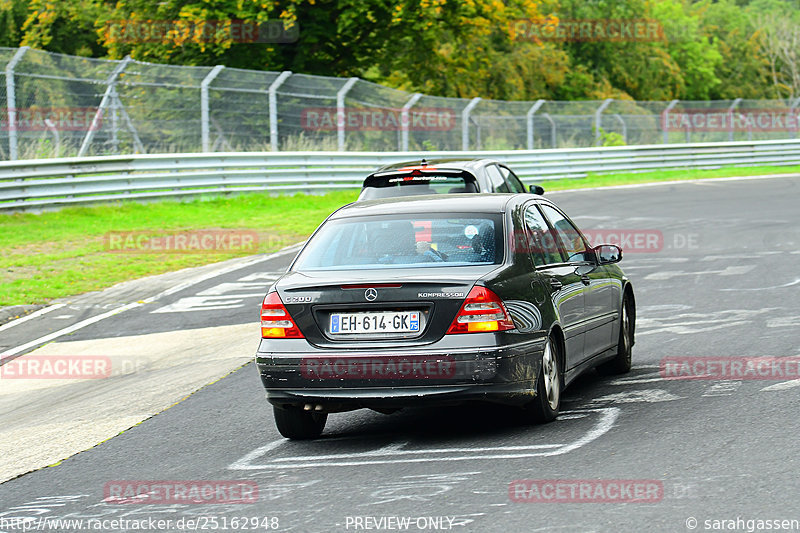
(47, 183)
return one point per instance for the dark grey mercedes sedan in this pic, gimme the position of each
(433, 300)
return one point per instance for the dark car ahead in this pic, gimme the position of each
(442, 176)
(440, 300)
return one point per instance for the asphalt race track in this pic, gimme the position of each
(724, 282)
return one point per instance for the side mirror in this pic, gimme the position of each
(608, 253)
(537, 189)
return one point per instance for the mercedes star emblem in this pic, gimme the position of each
(370, 294)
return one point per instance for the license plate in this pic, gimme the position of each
(375, 322)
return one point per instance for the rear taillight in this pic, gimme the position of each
(482, 311)
(276, 322)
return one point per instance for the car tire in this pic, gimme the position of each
(621, 364)
(549, 385)
(296, 424)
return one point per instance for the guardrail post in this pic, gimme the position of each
(404, 123)
(529, 116)
(110, 90)
(204, 111)
(273, 108)
(730, 117)
(598, 117)
(465, 122)
(11, 102)
(341, 119)
(664, 118)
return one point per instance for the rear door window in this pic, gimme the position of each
(512, 181)
(568, 236)
(496, 179)
(539, 241)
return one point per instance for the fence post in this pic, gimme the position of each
(553, 133)
(11, 102)
(204, 111)
(273, 108)
(404, 120)
(794, 106)
(532, 111)
(341, 119)
(110, 89)
(624, 127)
(598, 117)
(664, 118)
(730, 117)
(465, 122)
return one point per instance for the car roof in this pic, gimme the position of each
(454, 164)
(438, 203)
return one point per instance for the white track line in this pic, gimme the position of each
(25, 318)
(89, 321)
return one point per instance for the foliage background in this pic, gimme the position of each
(714, 49)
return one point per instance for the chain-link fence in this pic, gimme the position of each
(54, 105)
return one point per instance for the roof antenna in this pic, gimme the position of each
(423, 163)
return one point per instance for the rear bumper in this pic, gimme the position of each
(386, 378)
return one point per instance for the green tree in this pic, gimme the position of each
(64, 27)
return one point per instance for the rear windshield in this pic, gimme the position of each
(408, 185)
(422, 240)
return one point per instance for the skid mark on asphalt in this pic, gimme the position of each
(604, 419)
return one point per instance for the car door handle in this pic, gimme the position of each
(555, 284)
(585, 279)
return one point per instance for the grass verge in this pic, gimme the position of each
(64, 253)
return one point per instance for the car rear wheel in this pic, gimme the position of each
(545, 406)
(621, 363)
(297, 424)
